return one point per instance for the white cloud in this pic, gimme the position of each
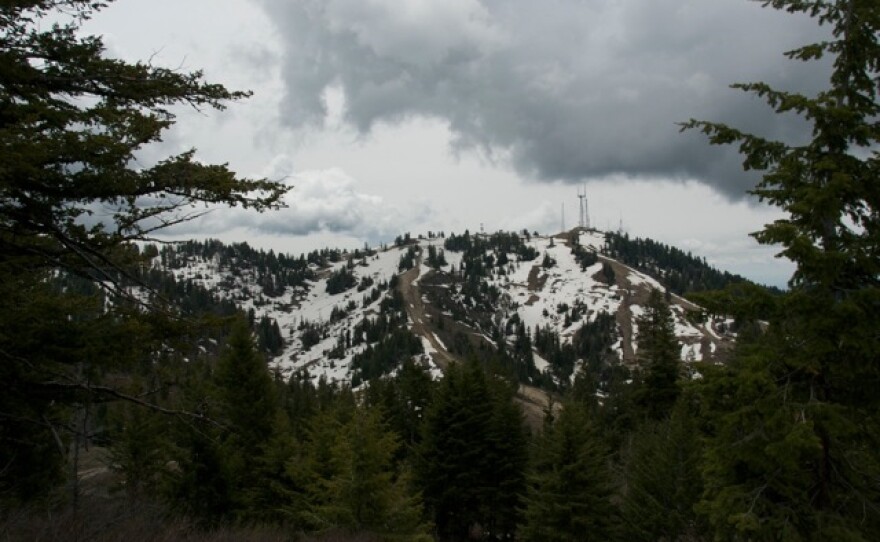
(319, 201)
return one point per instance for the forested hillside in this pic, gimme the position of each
(680, 271)
(502, 386)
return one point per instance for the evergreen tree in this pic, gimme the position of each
(404, 400)
(73, 121)
(569, 494)
(246, 394)
(469, 476)
(658, 355)
(139, 449)
(662, 480)
(793, 452)
(231, 466)
(249, 410)
(360, 492)
(507, 453)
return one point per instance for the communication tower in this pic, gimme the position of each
(584, 216)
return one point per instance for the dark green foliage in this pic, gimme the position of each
(679, 271)
(661, 468)
(404, 399)
(435, 258)
(472, 455)
(810, 466)
(232, 467)
(501, 243)
(518, 358)
(584, 257)
(245, 391)
(591, 343)
(358, 489)
(72, 123)
(559, 354)
(340, 280)
(269, 336)
(139, 449)
(311, 334)
(274, 272)
(793, 450)
(127, 107)
(569, 493)
(365, 283)
(408, 259)
(608, 273)
(201, 487)
(744, 301)
(658, 355)
(403, 240)
(391, 351)
(620, 413)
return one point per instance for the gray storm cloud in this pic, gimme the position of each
(564, 89)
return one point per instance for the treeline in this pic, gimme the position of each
(273, 272)
(679, 271)
(412, 458)
(502, 244)
(629, 453)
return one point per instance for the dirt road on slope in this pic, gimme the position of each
(415, 309)
(533, 400)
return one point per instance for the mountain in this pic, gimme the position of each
(541, 307)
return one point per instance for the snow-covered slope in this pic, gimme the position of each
(323, 331)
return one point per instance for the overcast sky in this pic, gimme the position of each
(413, 115)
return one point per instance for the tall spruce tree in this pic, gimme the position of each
(471, 460)
(658, 355)
(569, 493)
(71, 122)
(247, 406)
(232, 464)
(794, 452)
(662, 480)
(360, 490)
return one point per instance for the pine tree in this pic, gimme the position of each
(662, 480)
(232, 464)
(404, 400)
(793, 454)
(569, 494)
(72, 122)
(658, 354)
(139, 450)
(246, 394)
(471, 460)
(360, 492)
(247, 405)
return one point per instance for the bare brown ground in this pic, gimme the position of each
(415, 308)
(532, 400)
(536, 280)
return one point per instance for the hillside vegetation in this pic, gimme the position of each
(507, 386)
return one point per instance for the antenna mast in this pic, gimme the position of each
(583, 221)
(586, 209)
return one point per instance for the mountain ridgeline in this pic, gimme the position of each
(298, 369)
(509, 386)
(681, 272)
(539, 307)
